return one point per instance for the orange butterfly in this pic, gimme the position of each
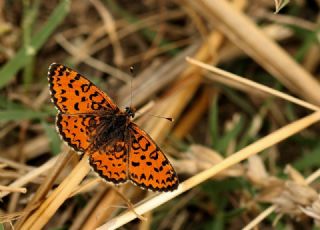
(89, 121)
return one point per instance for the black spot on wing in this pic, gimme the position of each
(76, 106)
(135, 164)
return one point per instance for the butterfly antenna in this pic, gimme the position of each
(131, 94)
(167, 118)
(157, 116)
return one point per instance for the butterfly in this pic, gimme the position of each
(90, 122)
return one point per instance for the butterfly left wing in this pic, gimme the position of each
(72, 93)
(148, 166)
(111, 162)
(77, 130)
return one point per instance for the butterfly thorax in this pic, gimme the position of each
(110, 129)
(113, 127)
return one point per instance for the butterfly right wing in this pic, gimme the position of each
(148, 166)
(72, 93)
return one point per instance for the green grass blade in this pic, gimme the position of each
(239, 100)
(8, 71)
(224, 141)
(309, 160)
(213, 121)
(30, 14)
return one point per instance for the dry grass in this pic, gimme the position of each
(225, 139)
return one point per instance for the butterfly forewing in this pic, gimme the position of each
(72, 93)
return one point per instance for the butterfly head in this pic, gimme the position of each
(130, 111)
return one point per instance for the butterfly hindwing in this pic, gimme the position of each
(77, 130)
(148, 166)
(72, 93)
(111, 163)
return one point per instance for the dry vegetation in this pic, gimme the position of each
(242, 146)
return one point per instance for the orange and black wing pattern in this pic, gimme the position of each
(77, 130)
(89, 121)
(148, 166)
(111, 163)
(79, 102)
(72, 93)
